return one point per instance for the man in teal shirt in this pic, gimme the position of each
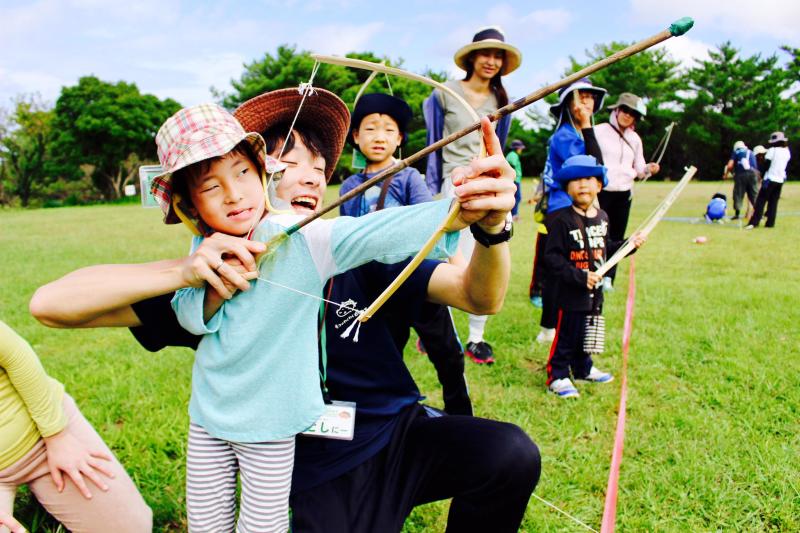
(517, 147)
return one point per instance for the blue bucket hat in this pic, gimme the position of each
(580, 166)
(582, 84)
(384, 104)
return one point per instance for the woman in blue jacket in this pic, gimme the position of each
(574, 135)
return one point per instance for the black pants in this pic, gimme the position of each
(541, 283)
(489, 468)
(744, 182)
(769, 195)
(567, 353)
(617, 205)
(439, 337)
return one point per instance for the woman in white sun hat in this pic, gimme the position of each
(776, 159)
(485, 60)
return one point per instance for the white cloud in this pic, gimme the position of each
(196, 76)
(338, 39)
(547, 21)
(687, 50)
(779, 19)
(30, 81)
(527, 27)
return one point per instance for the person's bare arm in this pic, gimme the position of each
(480, 287)
(486, 186)
(102, 295)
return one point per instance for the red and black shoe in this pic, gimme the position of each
(480, 352)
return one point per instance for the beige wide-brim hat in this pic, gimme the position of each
(632, 102)
(323, 112)
(487, 38)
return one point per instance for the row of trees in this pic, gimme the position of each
(90, 144)
(88, 147)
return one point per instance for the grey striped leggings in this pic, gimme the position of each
(266, 475)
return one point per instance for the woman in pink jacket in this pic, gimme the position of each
(623, 156)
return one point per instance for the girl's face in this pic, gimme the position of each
(625, 117)
(303, 183)
(229, 196)
(487, 63)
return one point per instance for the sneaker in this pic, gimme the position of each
(421, 347)
(480, 352)
(597, 376)
(536, 301)
(563, 388)
(749, 226)
(546, 336)
(608, 284)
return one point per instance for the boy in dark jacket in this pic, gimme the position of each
(576, 247)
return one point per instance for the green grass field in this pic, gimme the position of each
(713, 432)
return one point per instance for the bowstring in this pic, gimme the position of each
(662, 144)
(306, 88)
(547, 503)
(356, 313)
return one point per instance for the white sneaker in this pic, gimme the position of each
(608, 285)
(546, 336)
(749, 226)
(598, 376)
(563, 388)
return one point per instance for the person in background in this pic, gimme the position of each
(574, 135)
(759, 151)
(486, 60)
(623, 156)
(744, 166)
(777, 158)
(517, 147)
(577, 245)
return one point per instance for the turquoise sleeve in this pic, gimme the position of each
(188, 307)
(390, 235)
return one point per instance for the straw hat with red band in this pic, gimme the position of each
(322, 111)
(191, 135)
(486, 38)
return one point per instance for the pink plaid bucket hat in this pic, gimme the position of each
(191, 135)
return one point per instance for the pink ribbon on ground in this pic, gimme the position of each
(610, 510)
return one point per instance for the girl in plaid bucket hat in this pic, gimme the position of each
(255, 380)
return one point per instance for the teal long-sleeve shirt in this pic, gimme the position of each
(256, 372)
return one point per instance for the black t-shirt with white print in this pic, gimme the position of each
(568, 258)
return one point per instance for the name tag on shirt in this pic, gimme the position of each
(337, 422)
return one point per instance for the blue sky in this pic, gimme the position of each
(180, 49)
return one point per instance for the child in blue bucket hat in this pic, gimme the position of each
(576, 248)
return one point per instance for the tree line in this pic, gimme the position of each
(89, 145)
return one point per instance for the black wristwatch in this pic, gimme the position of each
(490, 239)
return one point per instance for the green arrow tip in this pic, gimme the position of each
(681, 26)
